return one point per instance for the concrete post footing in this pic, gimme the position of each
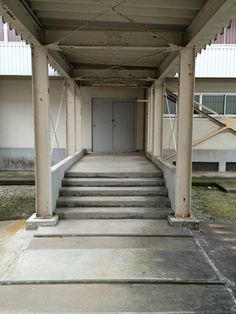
(34, 222)
(189, 222)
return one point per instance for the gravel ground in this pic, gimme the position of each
(16, 202)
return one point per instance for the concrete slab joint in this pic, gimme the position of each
(34, 222)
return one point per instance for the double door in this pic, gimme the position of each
(113, 125)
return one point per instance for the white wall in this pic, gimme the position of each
(87, 93)
(201, 128)
(16, 112)
(16, 115)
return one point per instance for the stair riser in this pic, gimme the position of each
(107, 215)
(113, 193)
(69, 203)
(112, 175)
(113, 184)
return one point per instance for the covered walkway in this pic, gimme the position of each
(113, 257)
(113, 249)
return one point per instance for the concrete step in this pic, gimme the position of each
(113, 227)
(113, 191)
(113, 201)
(113, 182)
(78, 174)
(115, 298)
(113, 212)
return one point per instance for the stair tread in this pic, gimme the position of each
(117, 174)
(118, 188)
(113, 212)
(113, 191)
(113, 227)
(113, 179)
(113, 198)
(113, 209)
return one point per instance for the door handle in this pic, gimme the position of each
(94, 125)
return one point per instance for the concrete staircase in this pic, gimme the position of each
(113, 196)
(114, 251)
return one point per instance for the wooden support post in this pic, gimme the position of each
(41, 132)
(183, 184)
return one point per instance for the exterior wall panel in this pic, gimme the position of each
(15, 59)
(217, 61)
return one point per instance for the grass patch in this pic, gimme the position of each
(209, 203)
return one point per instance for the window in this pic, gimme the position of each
(214, 102)
(169, 105)
(197, 98)
(230, 107)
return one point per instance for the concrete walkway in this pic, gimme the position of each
(112, 265)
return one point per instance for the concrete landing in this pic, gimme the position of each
(119, 164)
(111, 265)
(115, 242)
(113, 227)
(118, 298)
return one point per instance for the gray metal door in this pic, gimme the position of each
(113, 125)
(123, 126)
(102, 125)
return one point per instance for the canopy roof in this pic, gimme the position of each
(117, 41)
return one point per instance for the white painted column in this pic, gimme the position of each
(152, 121)
(41, 132)
(78, 120)
(148, 118)
(70, 117)
(183, 184)
(158, 117)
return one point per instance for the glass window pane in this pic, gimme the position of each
(172, 105)
(197, 98)
(214, 102)
(230, 104)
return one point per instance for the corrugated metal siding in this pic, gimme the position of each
(15, 59)
(228, 36)
(216, 61)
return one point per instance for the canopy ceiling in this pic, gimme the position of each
(117, 41)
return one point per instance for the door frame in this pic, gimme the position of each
(134, 100)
